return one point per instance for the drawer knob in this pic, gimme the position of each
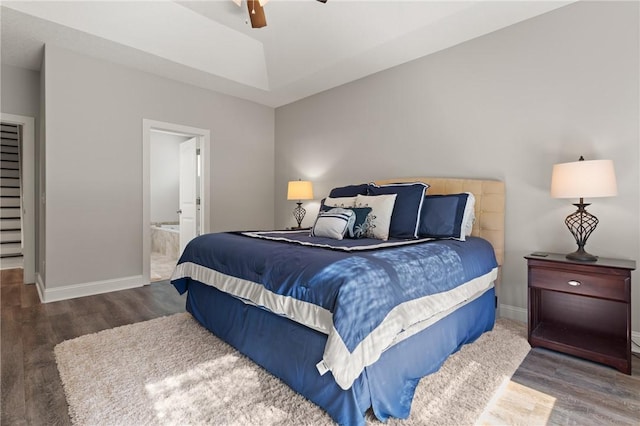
(574, 283)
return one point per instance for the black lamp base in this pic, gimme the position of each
(581, 224)
(581, 256)
(299, 213)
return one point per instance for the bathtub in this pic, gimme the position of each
(165, 239)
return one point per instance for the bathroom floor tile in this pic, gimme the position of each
(162, 266)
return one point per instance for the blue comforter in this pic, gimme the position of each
(364, 294)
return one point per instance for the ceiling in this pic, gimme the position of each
(307, 46)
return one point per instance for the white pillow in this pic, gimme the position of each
(468, 217)
(379, 219)
(340, 202)
(333, 223)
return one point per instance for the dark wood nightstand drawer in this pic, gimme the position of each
(595, 285)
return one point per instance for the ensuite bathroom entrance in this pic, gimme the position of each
(175, 195)
(174, 199)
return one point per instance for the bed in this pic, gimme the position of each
(351, 324)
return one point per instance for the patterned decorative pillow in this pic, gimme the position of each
(378, 221)
(443, 216)
(405, 218)
(333, 223)
(360, 226)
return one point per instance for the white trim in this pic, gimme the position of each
(300, 311)
(514, 313)
(87, 289)
(205, 191)
(635, 336)
(28, 159)
(40, 286)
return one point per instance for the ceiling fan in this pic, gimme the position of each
(256, 11)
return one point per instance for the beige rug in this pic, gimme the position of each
(171, 371)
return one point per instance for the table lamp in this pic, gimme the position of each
(299, 190)
(583, 179)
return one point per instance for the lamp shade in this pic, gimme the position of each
(584, 179)
(300, 190)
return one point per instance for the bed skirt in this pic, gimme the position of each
(290, 352)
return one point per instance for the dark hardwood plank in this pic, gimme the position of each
(11, 277)
(11, 359)
(69, 326)
(585, 393)
(37, 341)
(575, 402)
(10, 296)
(29, 296)
(45, 400)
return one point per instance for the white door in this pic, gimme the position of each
(188, 192)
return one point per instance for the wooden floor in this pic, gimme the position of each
(548, 388)
(31, 390)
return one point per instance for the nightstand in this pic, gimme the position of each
(581, 308)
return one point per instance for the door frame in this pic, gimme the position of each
(28, 183)
(205, 187)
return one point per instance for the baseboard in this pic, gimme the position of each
(87, 289)
(514, 313)
(520, 314)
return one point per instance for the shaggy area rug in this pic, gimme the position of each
(172, 371)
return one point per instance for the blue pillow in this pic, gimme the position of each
(358, 230)
(405, 218)
(349, 191)
(442, 216)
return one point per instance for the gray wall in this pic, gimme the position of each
(20, 91)
(94, 113)
(504, 106)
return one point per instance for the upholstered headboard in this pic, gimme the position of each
(489, 207)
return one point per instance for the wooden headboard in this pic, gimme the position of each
(489, 207)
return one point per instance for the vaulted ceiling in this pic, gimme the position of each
(307, 46)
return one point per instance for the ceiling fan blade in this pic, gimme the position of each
(256, 14)
(321, 1)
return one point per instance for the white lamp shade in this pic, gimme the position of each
(300, 190)
(584, 179)
(262, 2)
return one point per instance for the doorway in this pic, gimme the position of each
(18, 195)
(175, 193)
